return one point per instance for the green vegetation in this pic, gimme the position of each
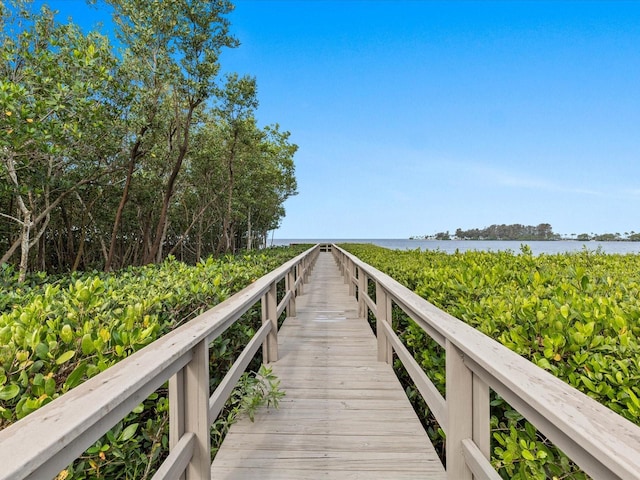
(574, 315)
(116, 157)
(509, 232)
(54, 334)
(519, 232)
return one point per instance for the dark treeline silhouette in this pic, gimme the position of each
(516, 231)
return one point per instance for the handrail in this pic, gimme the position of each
(604, 444)
(45, 442)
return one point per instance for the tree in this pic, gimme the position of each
(97, 168)
(238, 103)
(174, 48)
(54, 117)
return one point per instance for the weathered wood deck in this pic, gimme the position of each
(345, 415)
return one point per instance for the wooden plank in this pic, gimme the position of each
(297, 474)
(365, 426)
(329, 443)
(336, 371)
(321, 360)
(344, 414)
(338, 404)
(326, 415)
(346, 394)
(321, 460)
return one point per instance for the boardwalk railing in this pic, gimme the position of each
(602, 443)
(45, 442)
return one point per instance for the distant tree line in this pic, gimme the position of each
(515, 231)
(608, 237)
(543, 231)
(114, 158)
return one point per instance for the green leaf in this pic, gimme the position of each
(87, 344)
(50, 386)
(73, 380)
(42, 349)
(66, 334)
(527, 455)
(128, 432)
(588, 383)
(9, 391)
(65, 357)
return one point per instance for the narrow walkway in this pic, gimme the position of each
(344, 416)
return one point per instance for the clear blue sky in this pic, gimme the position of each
(415, 117)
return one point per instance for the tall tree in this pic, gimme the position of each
(174, 50)
(238, 103)
(54, 117)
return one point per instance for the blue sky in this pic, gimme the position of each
(415, 117)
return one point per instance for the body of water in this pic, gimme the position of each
(450, 246)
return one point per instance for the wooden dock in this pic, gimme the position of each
(344, 416)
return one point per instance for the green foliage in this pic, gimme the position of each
(253, 391)
(117, 157)
(575, 315)
(59, 334)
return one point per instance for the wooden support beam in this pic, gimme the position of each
(269, 314)
(459, 413)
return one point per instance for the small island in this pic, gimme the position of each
(518, 232)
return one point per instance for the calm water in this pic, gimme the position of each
(450, 246)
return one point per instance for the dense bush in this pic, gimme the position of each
(575, 315)
(56, 334)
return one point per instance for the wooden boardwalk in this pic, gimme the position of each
(344, 416)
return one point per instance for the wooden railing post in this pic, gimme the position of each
(362, 291)
(290, 282)
(307, 269)
(196, 412)
(347, 273)
(176, 410)
(298, 274)
(269, 314)
(351, 277)
(459, 396)
(481, 416)
(383, 314)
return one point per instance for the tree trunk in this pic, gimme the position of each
(133, 158)
(249, 233)
(169, 190)
(24, 245)
(197, 218)
(199, 241)
(162, 240)
(226, 222)
(70, 246)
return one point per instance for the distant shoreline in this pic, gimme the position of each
(561, 239)
(452, 246)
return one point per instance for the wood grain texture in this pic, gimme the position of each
(345, 414)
